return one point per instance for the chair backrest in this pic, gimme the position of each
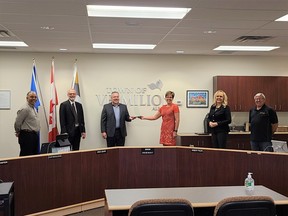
(162, 207)
(246, 206)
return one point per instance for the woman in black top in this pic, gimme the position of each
(219, 119)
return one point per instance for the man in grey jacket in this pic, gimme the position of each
(113, 121)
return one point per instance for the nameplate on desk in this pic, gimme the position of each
(197, 150)
(3, 162)
(147, 151)
(55, 156)
(101, 152)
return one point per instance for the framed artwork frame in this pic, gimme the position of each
(197, 98)
(5, 99)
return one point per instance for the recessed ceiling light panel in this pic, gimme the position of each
(246, 48)
(283, 18)
(123, 46)
(136, 12)
(13, 44)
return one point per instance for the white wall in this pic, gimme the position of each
(97, 72)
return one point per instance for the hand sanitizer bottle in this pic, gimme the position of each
(249, 184)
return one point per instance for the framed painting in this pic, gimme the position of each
(5, 99)
(197, 98)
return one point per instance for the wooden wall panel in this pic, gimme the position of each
(47, 182)
(99, 171)
(204, 167)
(138, 170)
(270, 171)
(64, 182)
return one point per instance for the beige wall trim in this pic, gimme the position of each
(72, 208)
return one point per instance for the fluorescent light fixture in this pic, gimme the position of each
(13, 44)
(123, 46)
(283, 18)
(136, 12)
(246, 48)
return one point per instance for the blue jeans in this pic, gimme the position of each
(261, 146)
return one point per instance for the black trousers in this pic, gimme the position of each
(75, 138)
(116, 140)
(219, 139)
(29, 142)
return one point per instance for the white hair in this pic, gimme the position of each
(260, 95)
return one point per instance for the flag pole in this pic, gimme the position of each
(74, 74)
(75, 83)
(56, 96)
(42, 101)
(53, 131)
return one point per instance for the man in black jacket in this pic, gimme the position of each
(72, 120)
(264, 122)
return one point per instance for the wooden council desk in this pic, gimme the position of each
(119, 201)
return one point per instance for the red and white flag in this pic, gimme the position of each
(53, 132)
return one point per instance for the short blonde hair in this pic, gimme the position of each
(225, 98)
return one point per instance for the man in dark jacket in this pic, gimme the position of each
(264, 123)
(113, 121)
(72, 120)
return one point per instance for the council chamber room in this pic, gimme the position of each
(174, 104)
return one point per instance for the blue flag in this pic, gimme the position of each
(34, 85)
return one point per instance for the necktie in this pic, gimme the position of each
(75, 113)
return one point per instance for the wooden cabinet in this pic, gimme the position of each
(196, 141)
(282, 87)
(241, 90)
(240, 141)
(234, 141)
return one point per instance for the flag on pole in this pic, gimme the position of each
(75, 83)
(34, 85)
(53, 132)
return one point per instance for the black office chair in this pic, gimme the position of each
(246, 206)
(162, 207)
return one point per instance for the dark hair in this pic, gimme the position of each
(170, 93)
(28, 93)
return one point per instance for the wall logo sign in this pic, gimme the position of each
(157, 85)
(138, 97)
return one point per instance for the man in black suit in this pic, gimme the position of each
(113, 121)
(72, 120)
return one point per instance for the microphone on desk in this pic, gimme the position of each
(267, 148)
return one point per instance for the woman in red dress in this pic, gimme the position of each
(170, 120)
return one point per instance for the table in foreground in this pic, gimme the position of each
(119, 201)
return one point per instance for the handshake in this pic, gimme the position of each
(134, 117)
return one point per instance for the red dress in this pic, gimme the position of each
(168, 124)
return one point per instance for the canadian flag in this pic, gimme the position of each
(53, 132)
